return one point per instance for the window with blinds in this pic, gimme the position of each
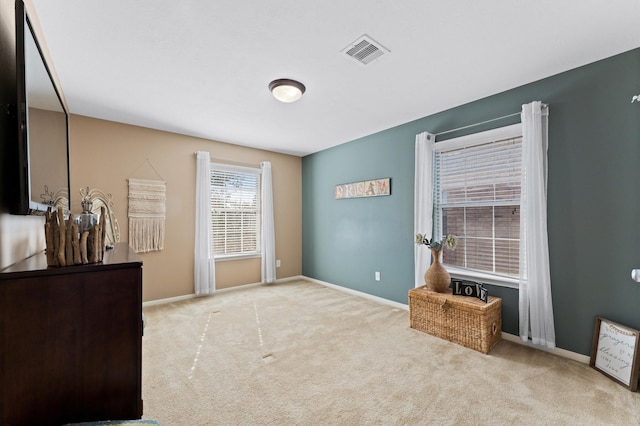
(477, 198)
(235, 207)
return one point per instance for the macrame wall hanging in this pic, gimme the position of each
(146, 214)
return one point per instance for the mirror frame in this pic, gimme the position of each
(28, 201)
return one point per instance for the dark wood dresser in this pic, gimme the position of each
(71, 340)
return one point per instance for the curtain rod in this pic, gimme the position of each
(482, 122)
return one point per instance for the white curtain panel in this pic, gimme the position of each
(204, 264)
(536, 308)
(423, 202)
(268, 240)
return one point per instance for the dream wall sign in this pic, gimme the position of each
(365, 188)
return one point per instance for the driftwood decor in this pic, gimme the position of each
(66, 246)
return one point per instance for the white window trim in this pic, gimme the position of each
(240, 169)
(481, 276)
(506, 132)
(225, 257)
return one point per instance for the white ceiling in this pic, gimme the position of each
(202, 67)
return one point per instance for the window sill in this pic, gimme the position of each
(226, 257)
(482, 277)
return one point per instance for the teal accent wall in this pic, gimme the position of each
(593, 199)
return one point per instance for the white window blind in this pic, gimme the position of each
(477, 198)
(235, 206)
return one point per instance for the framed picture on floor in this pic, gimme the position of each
(615, 352)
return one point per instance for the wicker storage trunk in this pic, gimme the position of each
(465, 320)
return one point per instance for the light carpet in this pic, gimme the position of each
(141, 422)
(298, 353)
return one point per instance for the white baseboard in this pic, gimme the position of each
(359, 294)
(222, 290)
(556, 351)
(167, 300)
(506, 336)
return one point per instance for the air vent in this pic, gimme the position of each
(364, 50)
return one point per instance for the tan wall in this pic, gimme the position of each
(20, 237)
(47, 146)
(105, 154)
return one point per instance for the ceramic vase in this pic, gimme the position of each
(437, 278)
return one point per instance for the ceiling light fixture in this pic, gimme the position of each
(286, 90)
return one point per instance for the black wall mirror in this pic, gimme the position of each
(46, 131)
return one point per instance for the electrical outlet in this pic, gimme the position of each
(377, 276)
(278, 263)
